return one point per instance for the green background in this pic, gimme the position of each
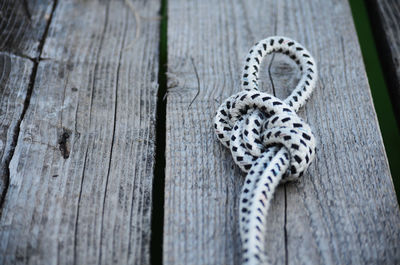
(383, 106)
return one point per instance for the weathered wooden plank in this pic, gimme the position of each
(81, 175)
(385, 16)
(344, 210)
(20, 37)
(14, 80)
(22, 24)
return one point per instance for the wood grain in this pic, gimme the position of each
(21, 34)
(15, 73)
(344, 210)
(385, 20)
(81, 175)
(22, 25)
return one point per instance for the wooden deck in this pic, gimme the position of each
(82, 101)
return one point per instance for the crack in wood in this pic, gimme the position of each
(25, 107)
(78, 207)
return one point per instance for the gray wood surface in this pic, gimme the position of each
(80, 178)
(21, 34)
(344, 210)
(14, 81)
(385, 17)
(22, 26)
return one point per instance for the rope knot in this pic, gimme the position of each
(251, 123)
(267, 139)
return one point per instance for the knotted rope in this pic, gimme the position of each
(267, 139)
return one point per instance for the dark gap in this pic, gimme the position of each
(378, 85)
(385, 56)
(26, 105)
(41, 44)
(157, 217)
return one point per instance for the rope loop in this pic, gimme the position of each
(267, 139)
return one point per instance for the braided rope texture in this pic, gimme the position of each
(267, 139)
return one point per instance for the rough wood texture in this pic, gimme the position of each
(344, 210)
(22, 24)
(81, 175)
(14, 81)
(385, 22)
(20, 37)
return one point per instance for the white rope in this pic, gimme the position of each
(267, 139)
